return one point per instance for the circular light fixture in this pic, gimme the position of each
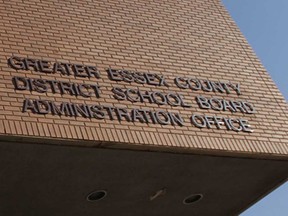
(96, 195)
(192, 199)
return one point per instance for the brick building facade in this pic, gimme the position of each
(150, 77)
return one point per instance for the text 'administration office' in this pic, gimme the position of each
(129, 108)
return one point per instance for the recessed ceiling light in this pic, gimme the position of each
(192, 199)
(96, 195)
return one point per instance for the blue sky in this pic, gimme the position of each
(265, 25)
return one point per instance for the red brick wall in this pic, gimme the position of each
(171, 38)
